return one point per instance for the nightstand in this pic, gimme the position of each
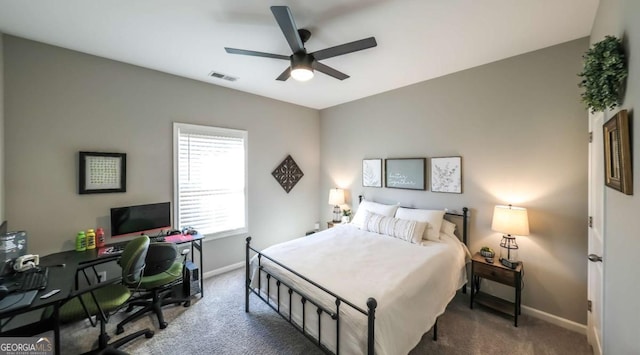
(481, 269)
(331, 224)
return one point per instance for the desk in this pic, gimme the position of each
(63, 275)
(58, 279)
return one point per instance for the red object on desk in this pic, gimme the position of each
(177, 238)
(100, 238)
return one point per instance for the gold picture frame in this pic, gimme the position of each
(617, 153)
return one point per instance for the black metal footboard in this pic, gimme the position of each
(334, 314)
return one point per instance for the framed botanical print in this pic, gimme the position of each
(446, 174)
(372, 172)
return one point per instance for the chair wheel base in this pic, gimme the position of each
(149, 334)
(163, 325)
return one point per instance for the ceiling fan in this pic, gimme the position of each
(302, 63)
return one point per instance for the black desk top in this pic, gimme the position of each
(62, 271)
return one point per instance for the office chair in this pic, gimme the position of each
(105, 298)
(163, 271)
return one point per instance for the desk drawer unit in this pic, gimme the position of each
(495, 274)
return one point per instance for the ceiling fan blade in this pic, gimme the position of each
(255, 54)
(288, 26)
(285, 75)
(345, 48)
(329, 71)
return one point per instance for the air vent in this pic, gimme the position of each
(222, 76)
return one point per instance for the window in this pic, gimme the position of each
(210, 179)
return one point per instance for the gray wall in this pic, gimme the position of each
(517, 124)
(59, 102)
(521, 131)
(621, 239)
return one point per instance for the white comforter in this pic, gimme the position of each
(411, 283)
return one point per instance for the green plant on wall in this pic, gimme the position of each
(603, 74)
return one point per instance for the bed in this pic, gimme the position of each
(354, 289)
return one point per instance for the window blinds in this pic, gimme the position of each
(211, 178)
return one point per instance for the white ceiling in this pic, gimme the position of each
(417, 39)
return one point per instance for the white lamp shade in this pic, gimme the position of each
(336, 197)
(510, 220)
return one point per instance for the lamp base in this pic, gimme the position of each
(511, 264)
(337, 214)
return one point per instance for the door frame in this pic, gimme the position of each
(596, 232)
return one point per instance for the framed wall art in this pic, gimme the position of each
(446, 174)
(405, 173)
(102, 173)
(617, 153)
(372, 172)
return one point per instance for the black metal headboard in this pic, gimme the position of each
(464, 215)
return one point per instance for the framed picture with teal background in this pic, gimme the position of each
(405, 173)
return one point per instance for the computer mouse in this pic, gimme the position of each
(4, 291)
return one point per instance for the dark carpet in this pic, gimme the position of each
(217, 324)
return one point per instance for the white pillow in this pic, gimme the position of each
(404, 229)
(448, 228)
(368, 206)
(433, 218)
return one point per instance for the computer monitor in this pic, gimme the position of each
(140, 219)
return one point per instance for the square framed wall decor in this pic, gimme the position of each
(102, 172)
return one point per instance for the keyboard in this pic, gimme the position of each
(32, 280)
(158, 239)
(112, 249)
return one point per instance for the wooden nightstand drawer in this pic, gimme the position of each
(492, 273)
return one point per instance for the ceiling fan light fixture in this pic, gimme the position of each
(301, 67)
(304, 64)
(302, 74)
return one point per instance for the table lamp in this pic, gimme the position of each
(510, 221)
(336, 198)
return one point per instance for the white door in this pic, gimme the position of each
(596, 232)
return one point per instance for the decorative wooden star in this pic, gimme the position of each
(288, 173)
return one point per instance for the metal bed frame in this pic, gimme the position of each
(334, 314)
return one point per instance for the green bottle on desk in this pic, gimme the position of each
(91, 239)
(81, 241)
